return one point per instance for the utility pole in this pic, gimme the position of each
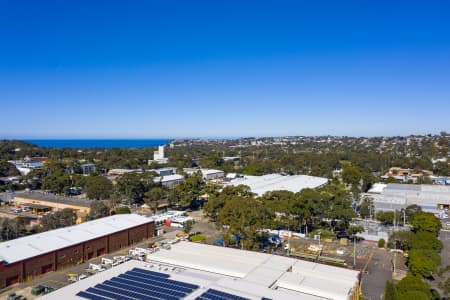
(395, 242)
(354, 250)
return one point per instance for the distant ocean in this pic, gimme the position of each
(99, 143)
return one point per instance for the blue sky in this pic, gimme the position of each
(138, 69)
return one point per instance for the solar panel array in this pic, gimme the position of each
(139, 284)
(212, 294)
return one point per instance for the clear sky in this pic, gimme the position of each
(138, 69)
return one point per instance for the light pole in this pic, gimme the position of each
(395, 243)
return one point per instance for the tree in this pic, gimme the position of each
(187, 226)
(386, 217)
(133, 185)
(243, 217)
(424, 221)
(56, 178)
(355, 229)
(11, 228)
(366, 209)
(424, 240)
(413, 287)
(8, 169)
(98, 210)
(217, 201)
(423, 262)
(402, 238)
(153, 197)
(188, 190)
(63, 218)
(391, 180)
(411, 211)
(390, 291)
(98, 187)
(351, 175)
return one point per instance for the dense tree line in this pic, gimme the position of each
(62, 218)
(423, 248)
(241, 213)
(12, 228)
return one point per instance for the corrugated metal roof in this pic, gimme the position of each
(275, 182)
(37, 244)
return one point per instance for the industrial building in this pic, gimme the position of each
(198, 271)
(211, 174)
(24, 258)
(260, 185)
(169, 180)
(51, 201)
(390, 197)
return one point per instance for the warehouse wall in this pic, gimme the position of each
(117, 241)
(94, 248)
(39, 265)
(69, 256)
(10, 274)
(56, 260)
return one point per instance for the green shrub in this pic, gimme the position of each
(381, 243)
(197, 238)
(122, 210)
(324, 233)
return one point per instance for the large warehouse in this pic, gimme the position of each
(275, 182)
(23, 258)
(391, 197)
(197, 271)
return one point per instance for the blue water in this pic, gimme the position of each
(99, 143)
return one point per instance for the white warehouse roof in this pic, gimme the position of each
(275, 182)
(247, 274)
(257, 274)
(397, 196)
(30, 246)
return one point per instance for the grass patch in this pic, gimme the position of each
(197, 238)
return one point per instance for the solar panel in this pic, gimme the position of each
(139, 284)
(90, 296)
(151, 272)
(107, 294)
(129, 293)
(162, 280)
(142, 282)
(153, 292)
(148, 285)
(212, 294)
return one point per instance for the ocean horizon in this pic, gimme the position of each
(98, 143)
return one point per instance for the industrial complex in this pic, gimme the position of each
(390, 197)
(24, 258)
(259, 185)
(189, 270)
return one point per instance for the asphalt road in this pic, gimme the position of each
(378, 270)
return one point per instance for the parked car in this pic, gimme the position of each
(37, 290)
(343, 235)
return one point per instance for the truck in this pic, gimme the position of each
(95, 267)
